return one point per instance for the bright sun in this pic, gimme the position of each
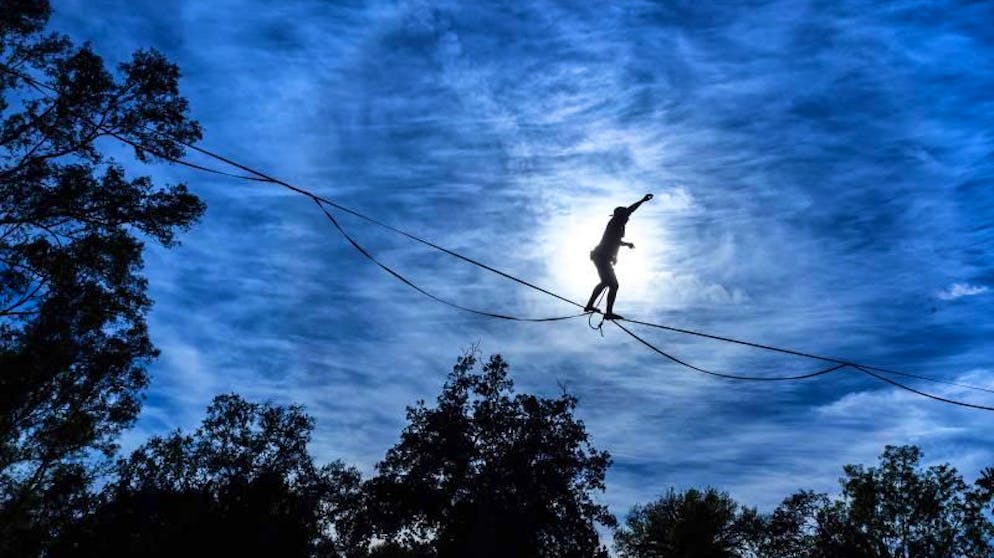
(573, 236)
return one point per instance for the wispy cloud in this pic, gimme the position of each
(959, 290)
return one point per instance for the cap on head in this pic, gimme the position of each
(620, 210)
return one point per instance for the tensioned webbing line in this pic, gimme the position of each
(838, 363)
(340, 207)
(320, 201)
(258, 176)
(804, 354)
(42, 87)
(362, 250)
(728, 376)
(195, 166)
(922, 393)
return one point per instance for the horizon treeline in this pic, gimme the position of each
(482, 472)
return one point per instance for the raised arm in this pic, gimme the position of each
(636, 205)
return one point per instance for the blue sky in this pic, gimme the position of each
(822, 173)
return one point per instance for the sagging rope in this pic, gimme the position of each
(259, 176)
(362, 250)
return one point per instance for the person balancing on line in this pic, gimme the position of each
(605, 255)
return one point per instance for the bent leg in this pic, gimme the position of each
(593, 297)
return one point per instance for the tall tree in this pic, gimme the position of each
(691, 524)
(243, 484)
(73, 337)
(898, 509)
(487, 472)
(793, 529)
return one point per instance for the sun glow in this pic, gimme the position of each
(573, 236)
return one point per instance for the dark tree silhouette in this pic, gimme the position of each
(895, 510)
(691, 524)
(242, 485)
(73, 339)
(792, 530)
(488, 473)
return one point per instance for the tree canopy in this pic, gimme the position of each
(487, 472)
(695, 523)
(902, 509)
(242, 484)
(73, 339)
(898, 509)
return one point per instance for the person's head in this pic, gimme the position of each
(620, 211)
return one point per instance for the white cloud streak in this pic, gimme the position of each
(959, 290)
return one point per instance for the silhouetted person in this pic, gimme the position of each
(605, 255)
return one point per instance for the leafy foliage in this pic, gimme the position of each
(691, 524)
(900, 509)
(242, 484)
(792, 530)
(895, 510)
(73, 338)
(489, 473)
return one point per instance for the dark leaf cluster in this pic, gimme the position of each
(243, 484)
(73, 338)
(487, 472)
(898, 509)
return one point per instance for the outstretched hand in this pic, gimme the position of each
(630, 245)
(647, 197)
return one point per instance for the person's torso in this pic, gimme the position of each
(611, 240)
